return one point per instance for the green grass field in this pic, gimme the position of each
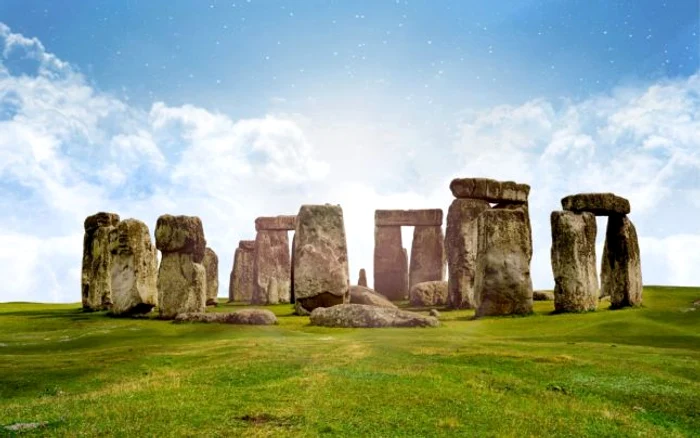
(633, 372)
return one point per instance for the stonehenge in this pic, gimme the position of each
(272, 260)
(96, 275)
(393, 276)
(621, 265)
(321, 273)
(362, 279)
(241, 279)
(211, 267)
(429, 293)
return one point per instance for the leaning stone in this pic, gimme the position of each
(600, 204)
(390, 263)
(489, 190)
(574, 262)
(543, 295)
(321, 276)
(362, 280)
(243, 317)
(134, 269)
(272, 260)
(96, 273)
(181, 285)
(181, 234)
(211, 267)
(461, 236)
(428, 293)
(428, 261)
(365, 295)
(286, 223)
(408, 218)
(503, 285)
(622, 268)
(360, 315)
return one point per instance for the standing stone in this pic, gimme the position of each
(427, 255)
(241, 279)
(622, 269)
(390, 263)
(502, 285)
(321, 276)
(96, 276)
(461, 238)
(362, 280)
(181, 277)
(272, 292)
(211, 267)
(134, 269)
(574, 262)
(292, 298)
(272, 260)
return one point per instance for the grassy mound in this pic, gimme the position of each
(633, 372)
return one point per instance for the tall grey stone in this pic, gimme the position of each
(96, 275)
(272, 260)
(211, 267)
(428, 261)
(390, 263)
(621, 267)
(241, 278)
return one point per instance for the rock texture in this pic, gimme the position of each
(461, 236)
(621, 267)
(243, 316)
(390, 263)
(574, 261)
(428, 294)
(241, 278)
(397, 218)
(365, 295)
(362, 280)
(359, 315)
(600, 204)
(503, 285)
(428, 261)
(211, 268)
(543, 295)
(286, 223)
(272, 260)
(96, 275)
(489, 190)
(181, 234)
(134, 270)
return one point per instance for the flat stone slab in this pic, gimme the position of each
(600, 204)
(370, 297)
(363, 316)
(242, 317)
(490, 190)
(247, 245)
(276, 223)
(408, 218)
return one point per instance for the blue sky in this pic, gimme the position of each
(232, 110)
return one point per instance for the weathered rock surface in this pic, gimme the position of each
(489, 190)
(134, 270)
(621, 267)
(321, 275)
(574, 261)
(360, 315)
(211, 268)
(241, 279)
(394, 218)
(272, 260)
(362, 280)
(428, 261)
(280, 223)
(543, 295)
(96, 275)
(181, 234)
(181, 285)
(429, 293)
(390, 263)
(434, 313)
(299, 310)
(502, 285)
(461, 237)
(600, 204)
(243, 317)
(365, 295)
(292, 296)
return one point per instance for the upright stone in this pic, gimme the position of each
(574, 262)
(241, 279)
(96, 276)
(362, 280)
(211, 267)
(272, 260)
(461, 238)
(502, 285)
(427, 255)
(292, 298)
(622, 269)
(390, 264)
(321, 276)
(134, 269)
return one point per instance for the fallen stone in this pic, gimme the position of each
(181, 234)
(321, 276)
(272, 260)
(360, 315)
(434, 313)
(489, 190)
(19, 427)
(243, 317)
(362, 280)
(181, 285)
(134, 271)
(365, 295)
(211, 268)
(429, 293)
(280, 223)
(543, 295)
(410, 218)
(574, 261)
(502, 285)
(621, 270)
(428, 261)
(600, 204)
(96, 273)
(390, 263)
